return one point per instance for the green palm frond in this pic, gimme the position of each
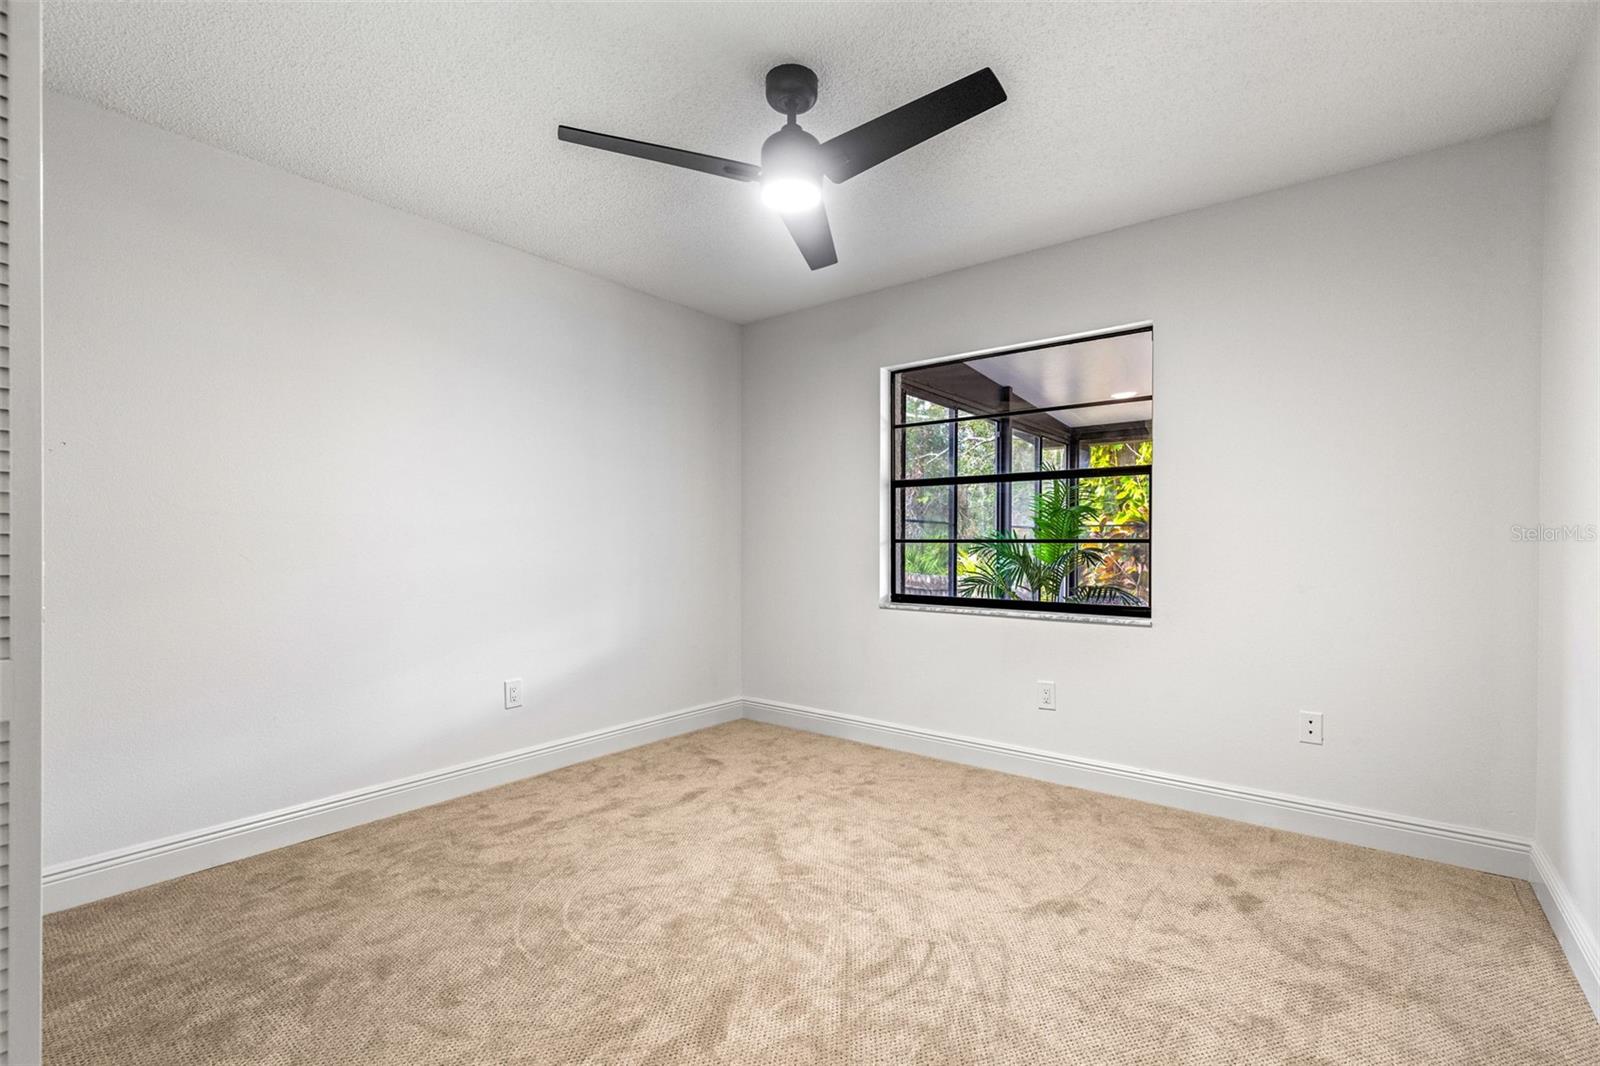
(997, 569)
(1056, 517)
(1091, 556)
(1114, 594)
(981, 573)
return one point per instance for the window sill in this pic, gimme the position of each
(1032, 616)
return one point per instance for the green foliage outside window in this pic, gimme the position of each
(1007, 568)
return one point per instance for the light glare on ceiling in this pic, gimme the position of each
(1130, 394)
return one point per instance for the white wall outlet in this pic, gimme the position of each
(1047, 695)
(1310, 727)
(513, 693)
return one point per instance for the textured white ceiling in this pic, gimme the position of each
(1117, 113)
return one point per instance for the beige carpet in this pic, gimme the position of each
(751, 895)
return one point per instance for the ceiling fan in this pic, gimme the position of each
(793, 163)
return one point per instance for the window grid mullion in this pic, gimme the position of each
(1082, 473)
(1025, 411)
(954, 446)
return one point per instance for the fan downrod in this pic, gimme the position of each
(791, 89)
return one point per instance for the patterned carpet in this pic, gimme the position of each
(751, 895)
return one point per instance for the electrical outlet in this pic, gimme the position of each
(1047, 695)
(513, 693)
(1310, 727)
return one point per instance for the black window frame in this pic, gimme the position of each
(1074, 446)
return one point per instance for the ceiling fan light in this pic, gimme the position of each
(790, 194)
(791, 171)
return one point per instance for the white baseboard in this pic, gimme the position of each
(1577, 939)
(72, 883)
(1441, 842)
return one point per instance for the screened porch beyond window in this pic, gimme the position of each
(1022, 479)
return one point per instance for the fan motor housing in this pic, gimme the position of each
(791, 89)
(790, 150)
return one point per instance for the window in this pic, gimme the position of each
(1021, 479)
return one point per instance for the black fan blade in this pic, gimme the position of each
(906, 127)
(660, 153)
(810, 231)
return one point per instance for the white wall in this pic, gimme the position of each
(321, 474)
(1568, 833)
(1346, 378)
